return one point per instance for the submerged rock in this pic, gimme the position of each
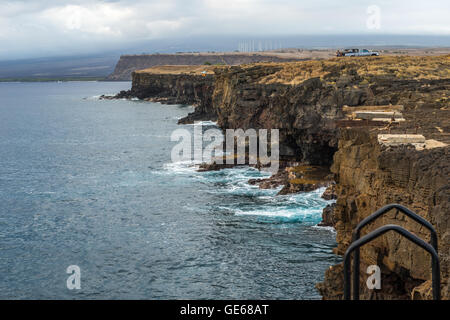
(304, 178)
(214, 166)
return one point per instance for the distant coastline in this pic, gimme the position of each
(52, 79)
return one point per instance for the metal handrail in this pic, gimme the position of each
(436, 276)
(374, 216)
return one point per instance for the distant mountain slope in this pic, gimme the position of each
(58, 68)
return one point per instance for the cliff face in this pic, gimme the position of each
(127, 64)
(304, 99)
(369, 176)
(176, 88)
(309, 102)
(303, 113)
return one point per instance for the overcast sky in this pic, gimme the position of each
(51, 27)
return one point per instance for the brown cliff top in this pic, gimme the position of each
(426, 105)
(392, 66)
(180, 69)
(397, 67)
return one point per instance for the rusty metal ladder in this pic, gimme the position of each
(358, 242)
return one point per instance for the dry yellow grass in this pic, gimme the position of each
(181, 69)
(401, 67)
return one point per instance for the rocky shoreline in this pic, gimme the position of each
(328, 113)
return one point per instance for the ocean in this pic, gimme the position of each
(90, 183)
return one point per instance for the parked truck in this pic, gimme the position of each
(356, 53)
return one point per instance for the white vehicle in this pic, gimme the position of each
(357, 53)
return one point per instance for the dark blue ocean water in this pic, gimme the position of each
(89, 182)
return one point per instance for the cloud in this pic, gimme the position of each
(99, 19)
(54, 26)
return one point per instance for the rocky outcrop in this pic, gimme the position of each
(328, 212)
(330, 193)
(303, 113)
(127, 64)
(369, 176)
(304, 99)
(178, 87)
(295, 178)
(328, 216)
(173, 88)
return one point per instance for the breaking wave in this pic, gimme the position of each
(247, 200)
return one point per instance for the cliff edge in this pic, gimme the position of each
(351, 114)
(368, 176)
(127, 64)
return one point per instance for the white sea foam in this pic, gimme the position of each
(331, 229)
(302, 207)
(181, 167)
(295, 213)
(97, 97)
(305, 207)
(109, 95)
(203, 123)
